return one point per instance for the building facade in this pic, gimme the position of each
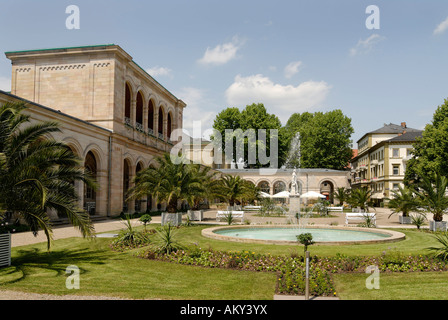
(273, 181)
(113, 115)
(380, 164)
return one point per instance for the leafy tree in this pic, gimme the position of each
(37, 173)
(325, 139)
(306, 239)
(145, 219)
(253, 117)
(431, 150)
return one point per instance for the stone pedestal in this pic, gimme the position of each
(174, 219)
(294, 204)
(438, 225)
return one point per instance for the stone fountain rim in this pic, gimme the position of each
(394, 236)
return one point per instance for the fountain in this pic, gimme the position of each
(293, 161)
(297, 222)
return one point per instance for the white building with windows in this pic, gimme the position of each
(382, 158)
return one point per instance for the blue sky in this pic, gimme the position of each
(293, 56)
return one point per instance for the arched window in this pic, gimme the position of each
(127, 104)
(265, 187)
(169, 126)
(126, 183)
(279, 186)
(161, 120)
(139, 111)
(150, 117)
(90, 166)
(138, 202)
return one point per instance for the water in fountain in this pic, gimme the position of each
(295, 216)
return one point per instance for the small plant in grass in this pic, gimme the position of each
(306, 239)
(167, 242)
(130, 238)
(145, 219)
(442, 251)
(418, 220)
(229, 218)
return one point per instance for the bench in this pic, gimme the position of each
(235, 214)
(341, 209)
(360, 216)
(252, 208)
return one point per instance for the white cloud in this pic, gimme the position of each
(441, 27)
(159, 71)
(292, 68)
(283, 99)
(222, 53)
(5, 84)
(198, 109)
(364, 46)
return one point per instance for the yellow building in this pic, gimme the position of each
(382, 157)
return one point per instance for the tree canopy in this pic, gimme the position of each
(325, 137)
(431, 150)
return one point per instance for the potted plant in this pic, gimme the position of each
(432, 196)
(403, 201)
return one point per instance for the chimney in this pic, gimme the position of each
(403, 125)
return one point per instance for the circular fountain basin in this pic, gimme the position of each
(287, 234)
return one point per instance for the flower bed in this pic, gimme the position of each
(291, 270)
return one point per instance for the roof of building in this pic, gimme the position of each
(280, 170)
(391, 128)
(394, 128)
(407, 136)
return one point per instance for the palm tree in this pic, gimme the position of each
(342, 195)
(168, 181)
(233, 189)
(37, 174)
(431, 192)
(206, 187)
(403, 201)
(360, 197)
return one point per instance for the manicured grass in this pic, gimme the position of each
(393, 286)
(104, 272)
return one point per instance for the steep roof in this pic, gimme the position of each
(394, 128)
(407, 136)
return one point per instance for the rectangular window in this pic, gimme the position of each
(396, 170)
(395, 186)
(395, 153)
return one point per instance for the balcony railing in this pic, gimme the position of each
(161, 136)
(127, 121)
(150, 131)
(139, 127)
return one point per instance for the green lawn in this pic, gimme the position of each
(393, 286)
(104, 272)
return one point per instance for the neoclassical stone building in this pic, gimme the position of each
(324, 181)
(113, 115)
